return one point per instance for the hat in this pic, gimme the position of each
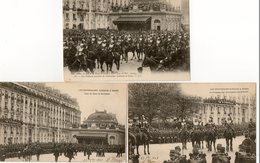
(222, 149)
(178, 148)
(195, 150)
(219, 146)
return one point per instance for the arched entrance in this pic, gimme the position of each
(157, 24)
(112, 140)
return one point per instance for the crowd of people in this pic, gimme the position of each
(158, 50)
(208, 133)
(69, 150)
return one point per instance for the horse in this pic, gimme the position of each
(210, 136)
(142, 137)
(116, 57)
(196, 137)
(139, 51)
(229, 134)
(184, 136)
(107, 58)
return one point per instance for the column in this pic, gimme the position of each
(101, 6)
(14, 134)
(2, 103)
(8, 133)
(36, 121)
(9, 105)
(58, 115)
(23, 127)
(15, 106)
(90, 15)
(1, 133)
(249, 108)
(28, 110)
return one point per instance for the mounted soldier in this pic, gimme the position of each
(229, 134)
(210, 134)
(252, 129)
(184, 135)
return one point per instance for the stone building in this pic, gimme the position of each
(88, 14)
(147, 15)
(241, 109)
(100, 128)
(122, 14)
(31, 112)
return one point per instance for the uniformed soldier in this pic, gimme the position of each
(38, 151)
(2, 154)
(252, 129)
(56, 152)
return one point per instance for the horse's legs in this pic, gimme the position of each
(144, 148)
(101, 65)
(126, 56)
(137, 149)
(227, 144)
(148, 148)
(192, 143)
(214, 144)
(231, 144)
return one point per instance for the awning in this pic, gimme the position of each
(141, 19)
(92, 135)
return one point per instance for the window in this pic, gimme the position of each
(74, 17)
(211, 110)
(224, 110)
(81, 18)
(67, 15)
(112, 140)
(218, 111)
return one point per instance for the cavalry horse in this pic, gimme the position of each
(229, 134)
(140, 50)
(197, 137)
(140, 137)
(184, 136)
(210, 136)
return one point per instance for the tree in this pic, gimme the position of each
(153, 100)
(162, 101)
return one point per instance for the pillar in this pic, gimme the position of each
(36, 121)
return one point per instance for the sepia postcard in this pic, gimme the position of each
(192, 123)
(126, 40)
(61, 122)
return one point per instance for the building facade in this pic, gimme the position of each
(31, 112)
(240, 108)
(100, 128)
(159, 14)
(88, 14)
(122, 14)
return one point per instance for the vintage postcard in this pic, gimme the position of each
(126, 40)
(63, 122)
(192, 123)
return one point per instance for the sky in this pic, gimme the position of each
(208, 90)
(90, 98)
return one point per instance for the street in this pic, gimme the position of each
(128, 70)
(109, 157)
(160, 152)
